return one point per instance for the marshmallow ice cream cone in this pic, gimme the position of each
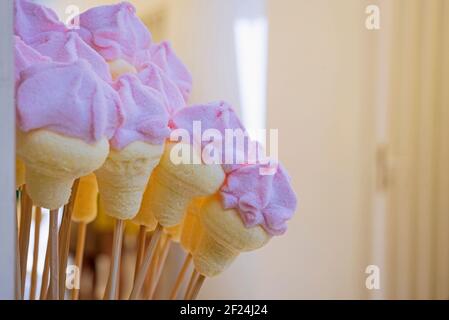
(119, 36)
(135, 148)
(249, 209)
(66, 114)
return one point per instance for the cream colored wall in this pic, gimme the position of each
(316, 102)
(315, 99)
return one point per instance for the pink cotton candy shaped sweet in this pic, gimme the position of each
(152, 76)
(165, 58)
(68, 47)
(31, 19)
(24, 57)
(69, 99)
(243, 216)
(115, 32)
(266, 200)
(145, 117)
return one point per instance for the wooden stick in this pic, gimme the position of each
(196, 289)
(180, 278)
(64, 238)
(115, 260)
(140, 278)
(18, 289)
(81, 239)
(26, 207)
(191, 283)
(160, 267)
(54, 253)
(37, 228)
(151, 273)
(155, 262)
(46, 272)
(140, 250)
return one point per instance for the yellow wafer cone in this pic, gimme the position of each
(54, 161)
(85, 206)
(123, 178)
(225, 236)
(145, 216)
(172, 187)
(20, 173)
(192, 229)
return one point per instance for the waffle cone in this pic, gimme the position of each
(172, 187)
(123, 178)
(53, 163)
(225, 236)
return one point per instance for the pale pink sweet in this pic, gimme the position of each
(68, 47)
(165, 58)
(266, 200)
(152, 76)
(69, 99)
(31, 19)
(24, 57)
(145, 117)
(115, 32)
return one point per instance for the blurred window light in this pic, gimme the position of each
(251, 45)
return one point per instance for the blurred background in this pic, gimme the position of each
(359, 91)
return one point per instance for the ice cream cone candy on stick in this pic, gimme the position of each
(249, 209)
(56, 153)
(136, 149)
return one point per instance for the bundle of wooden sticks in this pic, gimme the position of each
(151, 250)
